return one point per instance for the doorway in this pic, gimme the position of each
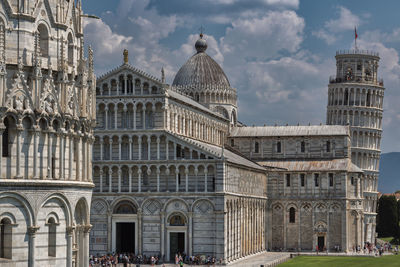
(321, 243)
(125, 237)
(176, 244)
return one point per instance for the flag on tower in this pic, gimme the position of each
(355, 38)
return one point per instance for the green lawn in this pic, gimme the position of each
(386, 239)
(332, 261)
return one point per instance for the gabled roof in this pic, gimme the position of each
(343, 164)
(131, 68)
(267, 131)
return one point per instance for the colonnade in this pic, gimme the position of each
(366, 139)
(364, 118)
(245, 227)
(126, 85)
(142, 147)
(44, 153)
(223, 95)
(359, 97)
(366, 160)
(154, 178)
(129, 115)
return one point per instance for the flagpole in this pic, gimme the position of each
(355, 38)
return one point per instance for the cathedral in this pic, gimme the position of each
(175, 171)
(47, 118)
(129, 163)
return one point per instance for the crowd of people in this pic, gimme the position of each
(128, 259)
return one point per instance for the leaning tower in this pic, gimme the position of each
(47, 115)
(355, 98)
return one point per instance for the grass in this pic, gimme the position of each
(340, 261)
(386, 239)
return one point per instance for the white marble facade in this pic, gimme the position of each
(175, 153)
(47, 102)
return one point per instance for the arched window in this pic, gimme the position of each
(70, 50)
(232, 142)
(292, 215)
(6, 239)
(256, 147)
(303, 146)
(52, 238)
(44, 40)
(145, 178)
(278, 147)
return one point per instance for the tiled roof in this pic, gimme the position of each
(265, 131)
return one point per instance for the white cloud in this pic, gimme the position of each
(334, 28)
(346, 21)
(285, 3)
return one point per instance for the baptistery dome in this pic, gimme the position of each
(201, 71)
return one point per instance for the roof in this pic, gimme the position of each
(343, 164)
(229, 155)
(193, 103)
(315, 130)
(201, 71)
(131, 68)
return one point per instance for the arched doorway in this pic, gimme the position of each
(177, 235)
(124, 227)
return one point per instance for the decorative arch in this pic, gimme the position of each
(81, 213)
(151, 206)
(26, 206)
(203, 206)
(63, 199)
(117, 201)
(179, 204)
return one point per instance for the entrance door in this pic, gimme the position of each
(176, 244)
(125, 237)
(321, 243)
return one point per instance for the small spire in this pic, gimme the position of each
(126, 56)
(162, 75)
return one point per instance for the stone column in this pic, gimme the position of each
(174, 151)
(166, 149)
(32, 237)
(115, 117)
(61, 159)
(101, 149)
(162, 226)
(119, 180)
(205, 179)
(140, 231)
(109, 180)
(83, 161)
(148, 147)
(140, 147)
(71, 143)
(119, 148)
(134, 117)
(130, 148)
(125, 85)
(86, 237)
(101, 179)
(158, 180)
(18, 163)
(187, 181)
(190, 234)
(49, 155)
(176, 179)
(139, 179)
(144, 117)
(70, 231)
(106, 117)
(111, 142)
(158, 148)
(36, 133)
(130, 179)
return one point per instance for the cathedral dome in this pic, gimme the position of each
(201, 71)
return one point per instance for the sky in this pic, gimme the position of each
(278, 54)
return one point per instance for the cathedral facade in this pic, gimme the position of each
(175, 171)
(47, 116)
